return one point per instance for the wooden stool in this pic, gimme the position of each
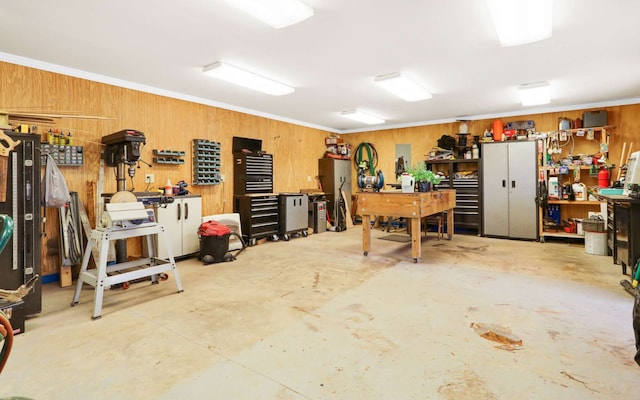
(438, 220)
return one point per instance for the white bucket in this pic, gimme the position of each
(595, 243)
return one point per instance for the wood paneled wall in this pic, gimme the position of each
(167, 124)
(423, 138)
(172, 124)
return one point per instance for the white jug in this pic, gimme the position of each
(407, 183)
(580, 191)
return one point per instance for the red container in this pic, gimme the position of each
(213, 228)
(214, 242)
(603, 178)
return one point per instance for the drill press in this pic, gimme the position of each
(123, 151)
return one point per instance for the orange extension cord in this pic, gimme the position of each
(6, 331)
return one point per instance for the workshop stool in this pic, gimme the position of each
(435, 219)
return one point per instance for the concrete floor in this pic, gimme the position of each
(313, 318)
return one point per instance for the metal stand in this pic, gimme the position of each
(99, 278)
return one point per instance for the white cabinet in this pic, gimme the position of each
(182, 218)
(509, 179)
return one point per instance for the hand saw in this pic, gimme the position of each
(6, 145)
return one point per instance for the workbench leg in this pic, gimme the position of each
(450, 224)
(101, 276)
(366, 234)
(416, 249)
(83, 268)
(152, 251)
(174, 268)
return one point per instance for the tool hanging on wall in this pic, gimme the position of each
(399, 166)
(371, 162)
(368, 178)
(70, 233)
(623, 158)
(6, 145)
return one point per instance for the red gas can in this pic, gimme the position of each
(603, 178)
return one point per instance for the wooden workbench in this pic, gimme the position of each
(412, 206)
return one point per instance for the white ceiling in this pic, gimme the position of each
(593, 58)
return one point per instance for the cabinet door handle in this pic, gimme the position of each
(179, 212)
(513, 184)
(504, 183)
(186, 211)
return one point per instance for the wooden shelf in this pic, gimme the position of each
(563, 235)
(576, 202)
(456, 160)
(572, 166)
(594, 128)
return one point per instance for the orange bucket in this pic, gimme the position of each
(497, 130)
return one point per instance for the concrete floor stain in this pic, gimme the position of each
(468, 386)
(498, 334)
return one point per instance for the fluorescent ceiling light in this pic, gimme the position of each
(247, 79)
(402, 87)
(534, 94)
(363, 117)
(276, 13)
(521, 21)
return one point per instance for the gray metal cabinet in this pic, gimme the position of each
(333, 173)
(509, 179)
(294, 214)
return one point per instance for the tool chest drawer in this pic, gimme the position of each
(467, 211)
(259, 215)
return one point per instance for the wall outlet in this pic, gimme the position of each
(222, 178)
(308, 178)
(148, 178)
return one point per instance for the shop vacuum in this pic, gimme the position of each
(214, 243)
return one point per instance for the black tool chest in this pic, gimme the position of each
(252, 173)
(253, 197)
(467, 212)
(258, 215)
(20, 260)
(627, 234)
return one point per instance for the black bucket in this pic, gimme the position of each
(214, 242)
(213, 248)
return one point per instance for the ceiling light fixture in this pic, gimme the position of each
(402, 87)
(247, 79)
(276, 13)
(521, 21)
(363, 117)
(534, 94)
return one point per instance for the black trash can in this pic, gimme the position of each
(214, 242)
